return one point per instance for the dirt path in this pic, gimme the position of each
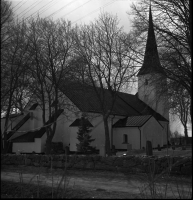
(89, 180)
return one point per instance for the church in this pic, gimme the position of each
(134, 119)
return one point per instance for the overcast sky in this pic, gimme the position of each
(77, 11)
(80, 12)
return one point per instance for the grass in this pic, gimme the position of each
(153, 189)
(12, 190)
(59, 191)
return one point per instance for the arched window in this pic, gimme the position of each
(125, 139)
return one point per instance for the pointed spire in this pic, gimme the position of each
(151, 63)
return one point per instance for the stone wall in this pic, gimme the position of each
(133, 164)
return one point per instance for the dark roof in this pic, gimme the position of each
(151, 63)
(86, 99)
(21, 122)
(13, 115)
(140, 106)
(77, 122)
(31, 135)
(33, 107)
(135, 121)
(18, 125)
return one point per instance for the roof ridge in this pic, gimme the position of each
(152, 109)
(129, 104)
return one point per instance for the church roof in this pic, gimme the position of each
(34, 106)
(85, 98)
(30, 136)
(77, 122)
(140, 106)
(134, 121)
(151, 63)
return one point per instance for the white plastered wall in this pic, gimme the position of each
(43, 142)
(165, 131)
(133, 135)
(97, 131)
(150, 95)
(63, 131)
(152, 131)
(28, 147)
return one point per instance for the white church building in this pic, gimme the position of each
(133, 120)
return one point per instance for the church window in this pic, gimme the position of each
(146, 82)
(125, 139)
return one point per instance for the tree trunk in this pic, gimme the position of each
(190, 24)
(5, 143)
(191, 108)
(186, 134)
(107, 139)
(149, 151)
(1, 142)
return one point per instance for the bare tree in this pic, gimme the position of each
(51, 46)
(108, 62)
(13, 73)
(6, 21)
(181, 107)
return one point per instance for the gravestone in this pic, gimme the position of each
(158, 147)
(149, 151)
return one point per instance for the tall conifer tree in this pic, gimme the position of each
(84, 136)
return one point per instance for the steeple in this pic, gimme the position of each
(151, 63)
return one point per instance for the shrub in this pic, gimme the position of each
(57, 147)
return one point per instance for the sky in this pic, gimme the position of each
(82, 12)
(77, 11)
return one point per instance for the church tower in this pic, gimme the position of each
(152, 84)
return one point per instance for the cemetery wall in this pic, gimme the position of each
(133, 164)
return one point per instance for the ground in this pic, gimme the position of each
(92, 183)
(81, 183)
